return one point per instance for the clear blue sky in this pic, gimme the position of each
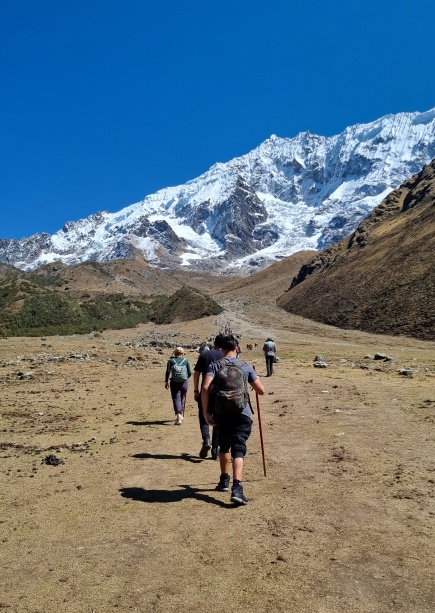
(105, 101)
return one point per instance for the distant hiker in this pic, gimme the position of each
(269, 349)
(232, 413)
(206, 357)
(178, 370)
(203, 347)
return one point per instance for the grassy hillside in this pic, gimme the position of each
(31, 309)
(186, 304)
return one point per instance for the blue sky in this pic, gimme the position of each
(106, 101)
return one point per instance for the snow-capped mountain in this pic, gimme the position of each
(287, 195)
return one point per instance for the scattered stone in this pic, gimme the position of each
(318, 364)
(383, 356)
(79, 356)
(52, 460)
(23, 376)
(406, 372)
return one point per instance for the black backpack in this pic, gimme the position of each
(230, 387)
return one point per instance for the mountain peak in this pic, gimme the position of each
(287, 195)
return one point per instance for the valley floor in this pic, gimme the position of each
(344, 522)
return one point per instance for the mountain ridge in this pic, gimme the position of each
(381, 278)
(286, 195)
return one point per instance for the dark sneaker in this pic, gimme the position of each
(205, 448)
(224, 484)
(237, 495)
(214, 453)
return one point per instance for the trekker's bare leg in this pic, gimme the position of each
(237, 469)
(224, 459)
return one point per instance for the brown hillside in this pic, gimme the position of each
(132, 277)
(271, 281)
(382, 278)
(8, 272)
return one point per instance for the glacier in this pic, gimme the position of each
(286, 195)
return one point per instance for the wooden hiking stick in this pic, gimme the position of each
(261, 432)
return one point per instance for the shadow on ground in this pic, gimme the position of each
(163, 496)
(166, 456)
(158, 422)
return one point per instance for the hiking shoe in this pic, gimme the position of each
(224, 484)
(214, 452)
(205, 448)
(237, 495)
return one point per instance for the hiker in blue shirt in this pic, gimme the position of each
(178, 370)
(234, 424)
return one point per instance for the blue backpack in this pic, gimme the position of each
(179, 371)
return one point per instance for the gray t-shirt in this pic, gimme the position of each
(269, 348)
(250, 373)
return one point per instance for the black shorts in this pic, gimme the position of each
(234, 431)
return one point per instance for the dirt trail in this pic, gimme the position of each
(343, 523)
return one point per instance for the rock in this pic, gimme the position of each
(52, 460)
(383, 356)
(319, 364)
(23, 376)
(406, 372)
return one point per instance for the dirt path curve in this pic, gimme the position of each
(343, 523)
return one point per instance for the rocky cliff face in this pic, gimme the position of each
(287, 195)
(382, 277)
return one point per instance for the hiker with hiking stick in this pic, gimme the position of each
(232, 413)
(178, 370)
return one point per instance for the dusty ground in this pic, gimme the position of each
(343, 523)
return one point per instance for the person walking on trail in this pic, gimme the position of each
(232, 413)
(269, 349)
(205, 358)
(178, 371)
